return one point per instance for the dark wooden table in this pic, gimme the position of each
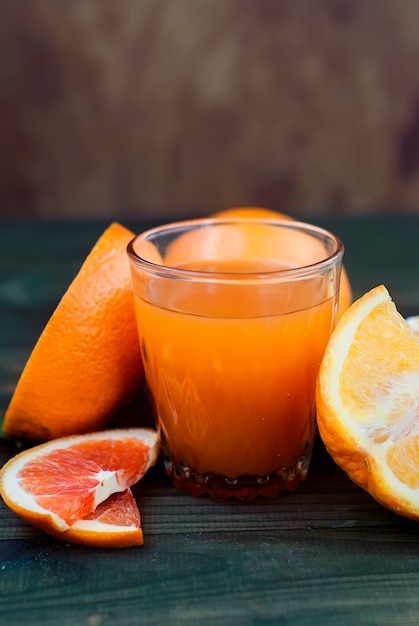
(327, 554)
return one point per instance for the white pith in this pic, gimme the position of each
(413, 322)
(108, 483)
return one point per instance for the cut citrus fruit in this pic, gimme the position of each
(87, 361)
(367, 401)
(77, 488)
(345, 294)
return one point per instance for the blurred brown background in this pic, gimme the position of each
(146, 107)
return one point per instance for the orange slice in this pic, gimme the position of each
(367, 401)
(78, 488)
(345, 294)
(87, 361)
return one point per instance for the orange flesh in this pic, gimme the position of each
(403, 458)
(119, 509)
(220, 405)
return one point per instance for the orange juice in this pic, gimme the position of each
(231, 344)
(233, 392)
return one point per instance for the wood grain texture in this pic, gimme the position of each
(148, 108)
(326, 554)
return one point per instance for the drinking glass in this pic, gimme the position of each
(233, 319)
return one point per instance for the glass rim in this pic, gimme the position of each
(287, 273)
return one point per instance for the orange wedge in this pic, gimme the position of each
(78, 488)
(367, 401)
(87, 361)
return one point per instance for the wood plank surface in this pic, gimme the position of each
(326, 554)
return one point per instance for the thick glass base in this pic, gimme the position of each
(244, 488)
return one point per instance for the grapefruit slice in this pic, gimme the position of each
(77, 488)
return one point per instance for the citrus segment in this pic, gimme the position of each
(119, 509)
(345, 294)
(78, 488)
(87, 361)
(367, 401)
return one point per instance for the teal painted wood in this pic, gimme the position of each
(327, 554)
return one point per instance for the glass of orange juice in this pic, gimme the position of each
(233, 317)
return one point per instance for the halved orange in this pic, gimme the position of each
(345, 294)
(77, 488)
(87, 361)
(367, 401)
